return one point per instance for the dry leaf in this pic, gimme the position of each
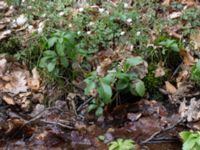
(166, 2)
(34, 82)
(159, 72)
(183, 75)
(188, 59)
(102, 69)
(190, 112)
(175, 15)
(17, 83)
(9, 100)
(170, 88)
(189, 2)
(195, 38)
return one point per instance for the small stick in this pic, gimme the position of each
(158, 132)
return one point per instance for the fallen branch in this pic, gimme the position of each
(160, 131)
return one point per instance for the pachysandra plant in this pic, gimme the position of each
(122, 144)
(119, 79)
(61, 48)
(191, 140)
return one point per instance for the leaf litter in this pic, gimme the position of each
(22, 92)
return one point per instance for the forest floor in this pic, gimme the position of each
(133, 65)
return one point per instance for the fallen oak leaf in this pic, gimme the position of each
(188, 59)
(170, 88)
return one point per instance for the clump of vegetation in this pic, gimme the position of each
(196, 72)
(118, 79)
(191, 140)
(61, 49)
(10, 46)
(77, 32)
(122, 144)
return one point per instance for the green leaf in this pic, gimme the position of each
(185, 135)
(122, 76)
(101, 137)
(134, 61)
(92, 107)
(90, 86)
(122, 84)
(140, 88)
(60, 49)
(99, 112)
(51, 66)
(198, 65)
(43, 62)
(52, 41)
(113, 146)
(108, 78)
(49, 53)
(189, 144)
(105, 92)
(64, 62)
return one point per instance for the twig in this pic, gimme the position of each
(82, 105)
(160, 131)
(57, 123)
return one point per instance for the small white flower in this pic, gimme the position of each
(88, 32)
(61, 13)
(81, 9)
(91, 23)
(101, 10)
(138, 33)
(122, 33)
(79, 32)
(41, 27)
(43, 15)
(107, 12)
(125, 5)
(21, 20)
(129, 20)
(70, 25)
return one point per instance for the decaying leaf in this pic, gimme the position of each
(170, 88)
(166, 2)
(175, 15)
(188, 59)
(159, 72)
(34, 82)
(17, 83)
(104, 66)
(190, 112)
(195, 38)
(9, 100)
(183, 75)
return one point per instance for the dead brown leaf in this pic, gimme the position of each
(104, 66)
(188, 59)
(166, 2)
(9, 100)
(190, 112)
(195, 38)
(171, 89)
(159, 72)
(34, 82)
(175, 15)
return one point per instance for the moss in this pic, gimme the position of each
(10, 45)
(153, 83)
